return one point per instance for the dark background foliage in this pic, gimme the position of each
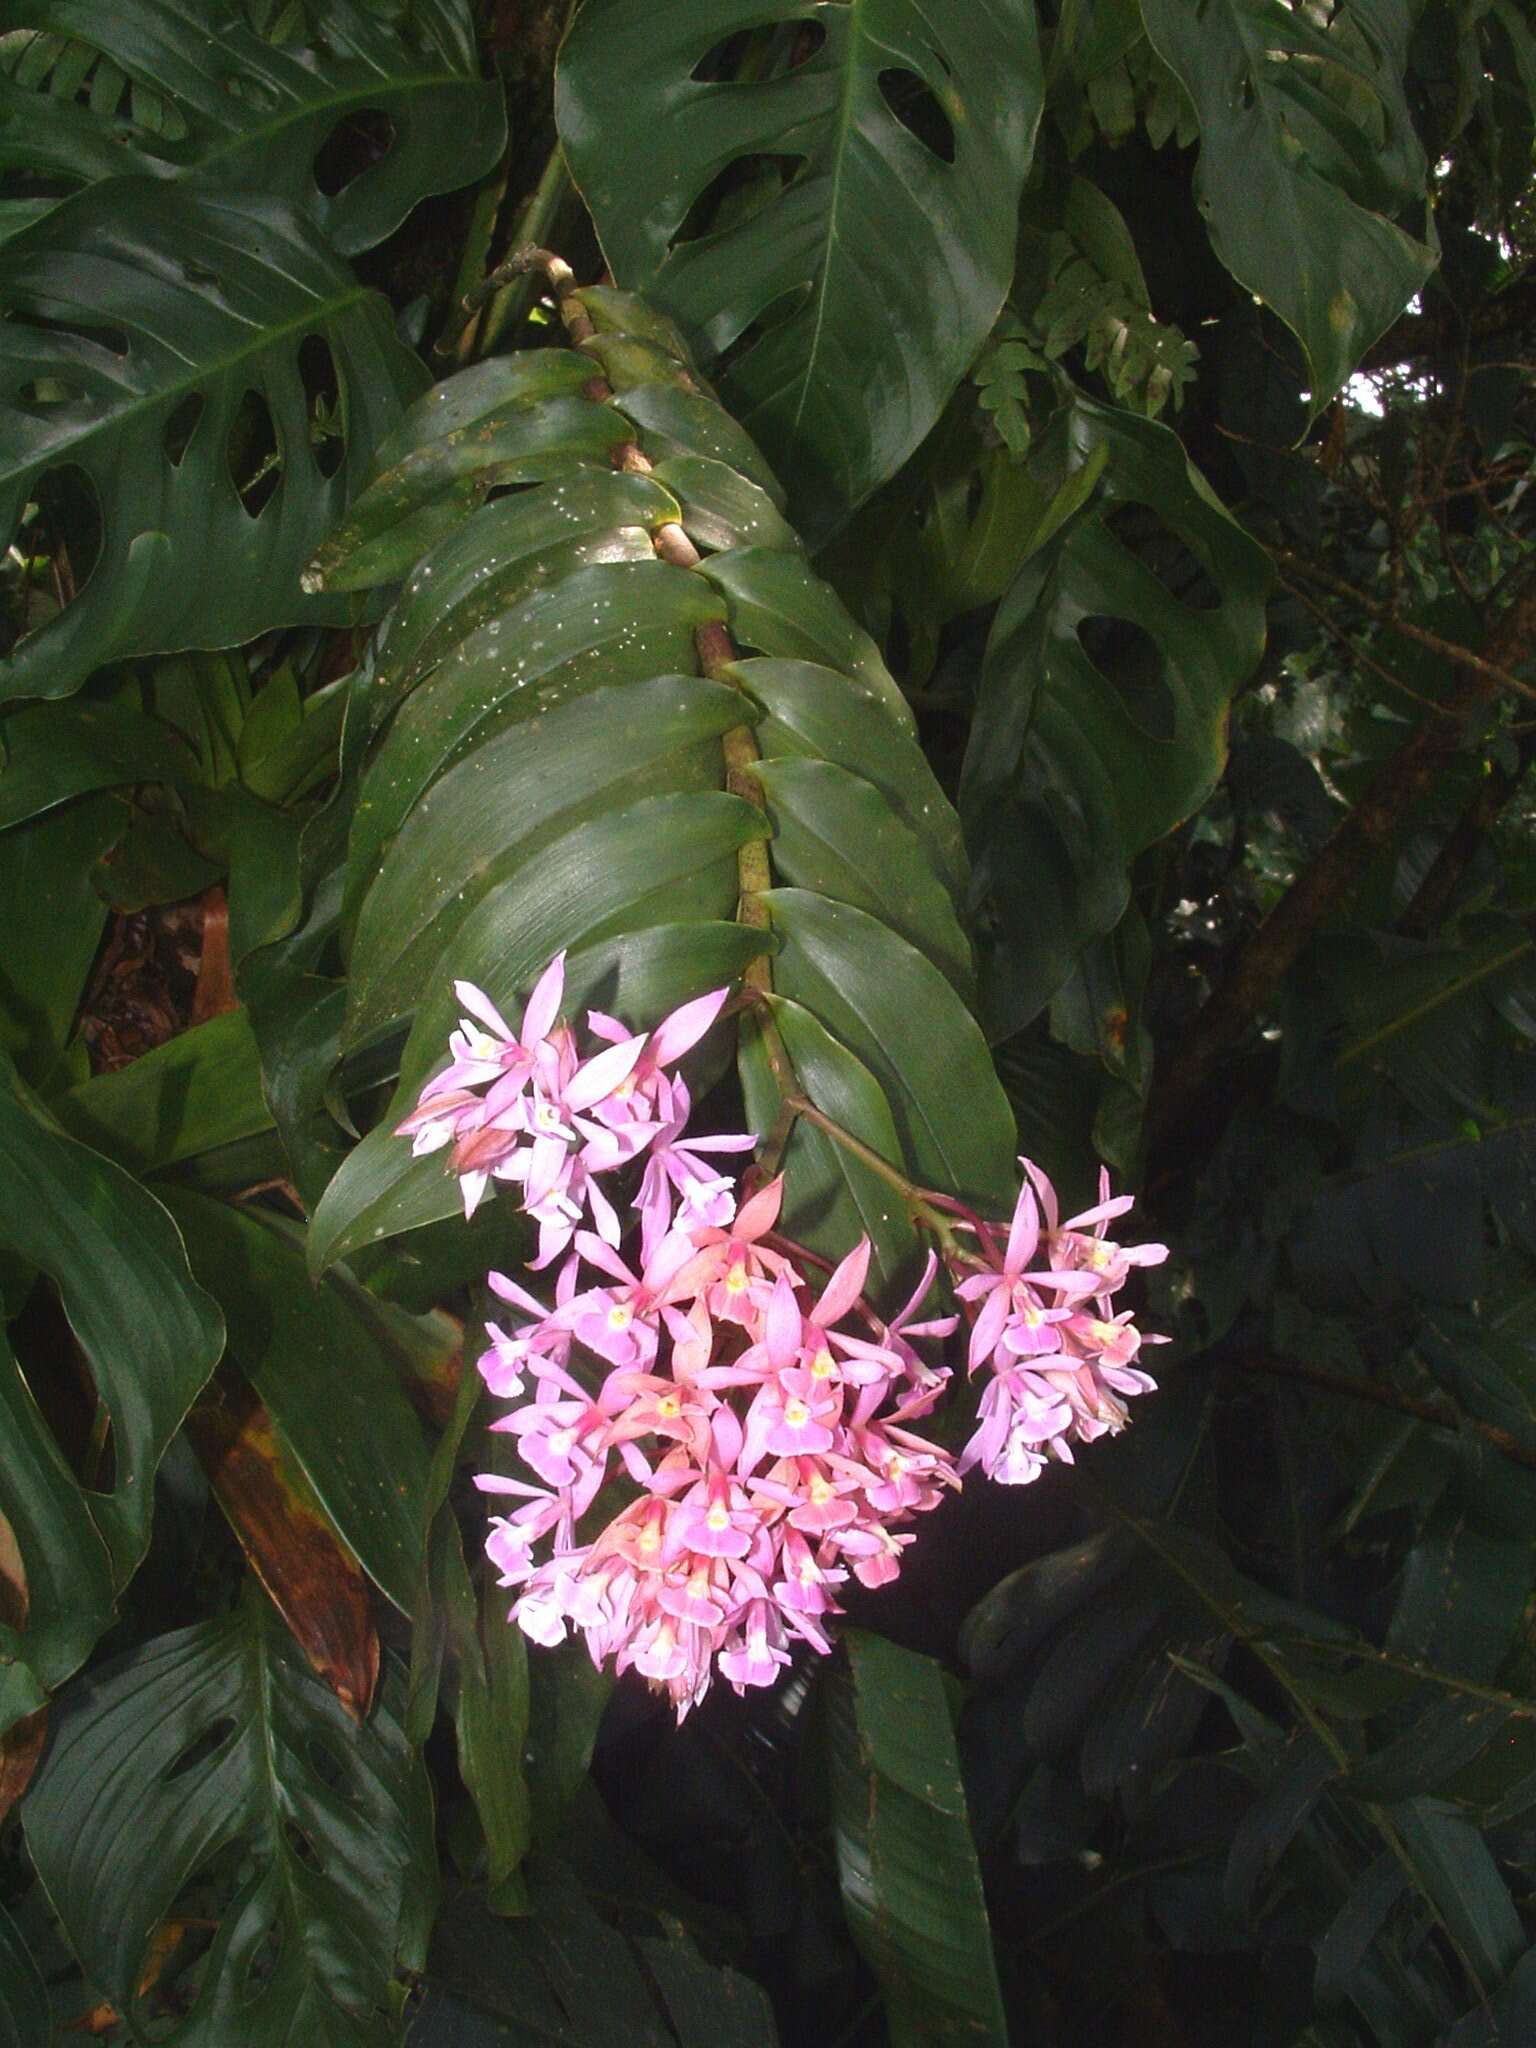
(1150, 386)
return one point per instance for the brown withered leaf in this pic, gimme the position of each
(313, 1579)
(22, 1743)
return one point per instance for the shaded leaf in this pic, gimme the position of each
(215, 1736)
(910, 1883)
(239, 283)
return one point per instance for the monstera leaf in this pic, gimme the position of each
(186, 88)
(843, 222)
(161, 352)
(1102, 717)
(550, 769)
(215, 1754)
(1307, 150)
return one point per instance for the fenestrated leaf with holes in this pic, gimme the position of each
(215, 1758)
(685, 767)
(352, 122)
(1102, 716)
(153, 352)
(840, 219)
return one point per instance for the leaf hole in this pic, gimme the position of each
(734, 194)
(261, 1964)
(54, 549)
(182, 425)
(322, 400)
(302, 1846)
(329, 1766)
(1131, 662)
(112, 339)
(751, 56)
(773, 315)
(213, 1739)
(46, 394)
(252, 452)
(354, 145)
(916, 106)
(1148, 536)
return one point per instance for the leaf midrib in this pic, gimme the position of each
(844, 130)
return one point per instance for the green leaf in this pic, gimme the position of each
(53, 927)
(150, 1334)
(1102, 717)
(904, 1021)
(835, 833)
(865, 283)
(1307, 147)
(503, 801)
(834, 1198)
(1455, 1869)
(555, 646)
(25, 2020)
(907, 1865)
(55, 752)
(320, 1358)
(218, 1736)
(240, 284)
(199, 1090)
(69, 1573)
(237, 112)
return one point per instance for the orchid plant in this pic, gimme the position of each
(764, 1427)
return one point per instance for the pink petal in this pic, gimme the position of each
(479, 1004)
(544, 1003)
(675, 1034)
(781, 1329)
(1023, 1233)
(761, 1212)
(601, 1074)
(844, 1287)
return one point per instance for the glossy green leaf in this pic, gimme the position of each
(778, 607)
(25, 2020)
(555, 646)
(811, 710)
(866, 282)
(833, 832)
(1102, 717)
(1455, 1870)
(899, 1015)
(319, 1358)
(506, 799)
(833, 1198)
(721, 508)
(1307, 150)
(506, 551)
(199, 1090)
(238, 113)
(220, 1735)
(239, 284)
(150, 1334)
(906, 1863)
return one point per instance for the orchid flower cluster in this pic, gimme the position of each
(745, 1441)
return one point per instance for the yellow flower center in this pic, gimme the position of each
(796, 1414)
(1101, 1256)
(718, 1517)
(620, 1316)
(736, 1278)
(821, 1491)
(1103, 1333)
(823, 1364)
(669, 1407)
